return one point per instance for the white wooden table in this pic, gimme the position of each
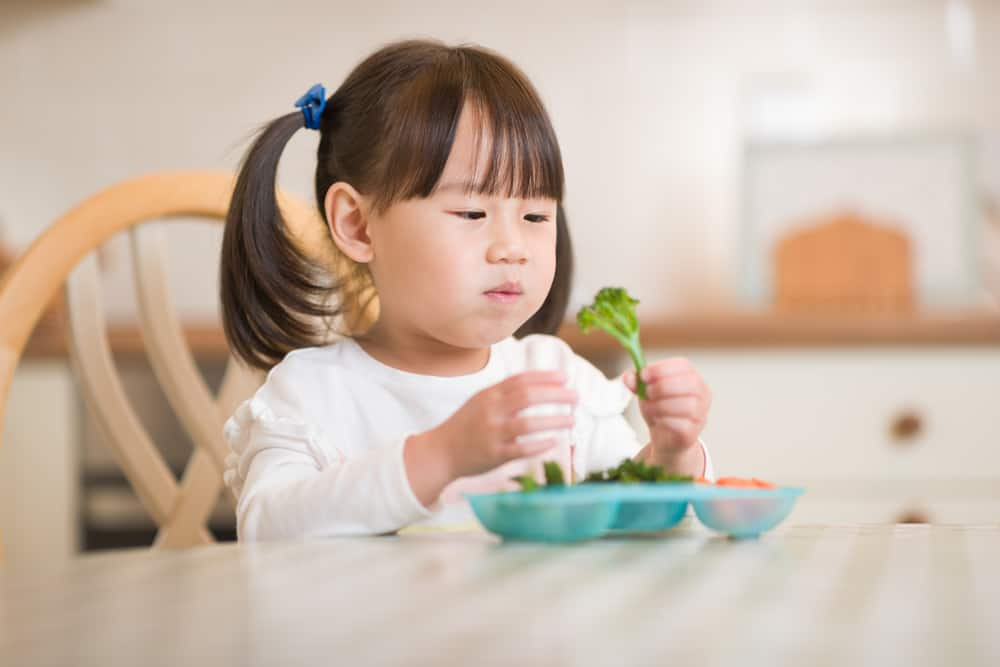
(802, 595)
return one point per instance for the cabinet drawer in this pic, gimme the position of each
(966, 500)
(894, 413)
(938, 512)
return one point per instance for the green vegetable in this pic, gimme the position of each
(626, 472)
(553, 477)
(613, 311)
(527, 482)
(630, 472)
(553, 474)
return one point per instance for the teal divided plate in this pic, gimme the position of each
(566, 514)
(743, 512)
(587, 511)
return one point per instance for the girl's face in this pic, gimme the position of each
(464, 269)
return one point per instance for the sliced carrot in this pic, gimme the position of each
(734, 481)
(740, 482)
(701, 480)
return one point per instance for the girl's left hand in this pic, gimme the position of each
(676, 405)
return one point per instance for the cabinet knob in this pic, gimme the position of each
(913, 516)
(906, 427)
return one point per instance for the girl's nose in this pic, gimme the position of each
(507, 245)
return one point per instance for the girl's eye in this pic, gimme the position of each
(479, 215)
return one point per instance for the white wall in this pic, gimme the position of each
(650, 101)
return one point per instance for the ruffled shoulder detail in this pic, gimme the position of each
(255, 418)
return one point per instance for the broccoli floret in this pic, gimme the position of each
(630, 472)
(553, 474)
(527, 482)
(553, 477)
(613, 311)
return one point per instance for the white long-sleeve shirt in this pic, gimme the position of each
(318, 450)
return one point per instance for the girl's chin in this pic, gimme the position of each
(487, 330)
(487, 337)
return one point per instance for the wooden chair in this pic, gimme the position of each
(844, 264)
(64, 253)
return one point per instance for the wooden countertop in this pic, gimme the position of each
(752, 329)
(800, 595)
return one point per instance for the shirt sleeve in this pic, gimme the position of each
(292, 483)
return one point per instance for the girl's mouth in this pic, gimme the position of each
(503, 297)
(508, 292)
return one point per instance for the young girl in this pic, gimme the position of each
(447, 268)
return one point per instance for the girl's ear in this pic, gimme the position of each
(348, 221)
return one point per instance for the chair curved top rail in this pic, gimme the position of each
(38, 274)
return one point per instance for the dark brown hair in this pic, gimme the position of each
(388, 131)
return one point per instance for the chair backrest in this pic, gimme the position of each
(844, 264)
(63, 254)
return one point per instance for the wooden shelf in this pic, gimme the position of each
(709, 330)
(767, 329)
(206, 341)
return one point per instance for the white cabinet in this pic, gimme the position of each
(835, 420)
(39, 479)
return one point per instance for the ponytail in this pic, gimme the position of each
(273, 296)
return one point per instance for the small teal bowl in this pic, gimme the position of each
(744, 513)
(648, 516)
(649, 508)
(546, 515)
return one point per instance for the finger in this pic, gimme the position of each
(531, 378)
(682, 406)
(526, 397)
(523, 449)
(685, 428)
(674, 385)
(527, 425)
(665, 367)
(629, 379)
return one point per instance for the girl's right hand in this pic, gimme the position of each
(484, 433)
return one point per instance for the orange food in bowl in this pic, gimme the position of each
(740, 482)
(734, 481)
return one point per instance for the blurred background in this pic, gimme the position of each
(804, 195)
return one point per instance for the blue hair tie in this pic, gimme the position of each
(312, 105)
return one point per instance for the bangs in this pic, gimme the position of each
(516, 148)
